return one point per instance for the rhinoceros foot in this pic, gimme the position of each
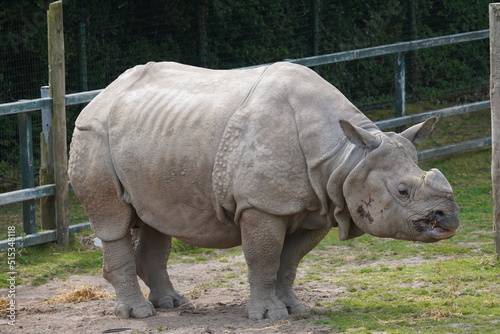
(170, 301)
(271, 308)
(142, 309)
(297, 309)
(291, 301)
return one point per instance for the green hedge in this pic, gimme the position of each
(233, 33)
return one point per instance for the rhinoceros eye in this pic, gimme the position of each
(403, 190)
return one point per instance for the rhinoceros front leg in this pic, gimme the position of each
(262, 239)
(119, 269)
(152, 249)
(296, 246)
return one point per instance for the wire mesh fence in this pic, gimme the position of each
(103, 38)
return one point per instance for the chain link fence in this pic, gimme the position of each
(104, 38)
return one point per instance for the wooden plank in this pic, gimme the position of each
(27, 169)
(390, 49)
(47, 203)
(83, 97)
(494, 18)
(27, 194)
(445, 112)
(42, 103)
(57, 92)
(24, 106)
(454, 148)
(40, 238)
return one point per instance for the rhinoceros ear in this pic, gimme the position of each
(420, 131)
(359, 137)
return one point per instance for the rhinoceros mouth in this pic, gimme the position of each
(432, 227)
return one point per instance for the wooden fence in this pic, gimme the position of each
(494, 16)
(52, 107)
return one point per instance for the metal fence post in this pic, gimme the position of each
(315, 11)
(27, 169)
(494, 12)
(83, 57)
(400, 92)
(47, 204)
(202, 37)
(58, 94)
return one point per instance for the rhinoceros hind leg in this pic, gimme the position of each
(98, 188)
(262, 238)
(152, 249)
(119, 269)
(296, 246)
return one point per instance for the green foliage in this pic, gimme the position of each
(23, 49)
(233, 33)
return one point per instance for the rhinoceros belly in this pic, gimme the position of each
(164, 133)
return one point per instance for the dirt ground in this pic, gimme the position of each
(218, 290)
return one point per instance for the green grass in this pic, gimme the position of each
(387, 286)
(456, 295)
(452, 286)
(38, 264)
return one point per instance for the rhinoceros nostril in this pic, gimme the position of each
(438, 215)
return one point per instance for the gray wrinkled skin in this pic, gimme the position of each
(271, 158)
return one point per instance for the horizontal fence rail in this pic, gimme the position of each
(39, 238)
(45, 104)
(391, 48)
(446, 112)
(454, 148)
(84, 97)
(29, 194)
(25, 106)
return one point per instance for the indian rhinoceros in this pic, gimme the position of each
(269, 158)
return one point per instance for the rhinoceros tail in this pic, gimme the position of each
(91, 125)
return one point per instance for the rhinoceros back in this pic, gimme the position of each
(164, 132)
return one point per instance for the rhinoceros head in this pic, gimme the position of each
(388, 195)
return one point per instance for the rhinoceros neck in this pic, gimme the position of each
(318, 107)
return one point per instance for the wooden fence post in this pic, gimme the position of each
(495, 118)
(58, 94)
(47, 204)
(27, 169)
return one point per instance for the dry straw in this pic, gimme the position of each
(79, 294)
(4, 305)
